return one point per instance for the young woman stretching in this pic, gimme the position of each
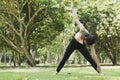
(79, 42)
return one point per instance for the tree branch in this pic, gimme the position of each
(12, 26)
(23, 5)
(18, 19)
(31, 19)
(10, 43)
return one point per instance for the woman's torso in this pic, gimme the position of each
(78, 36)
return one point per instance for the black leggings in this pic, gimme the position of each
(82, 48)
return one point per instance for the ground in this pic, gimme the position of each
(79, 73)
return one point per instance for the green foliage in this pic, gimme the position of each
(102, 19)
(52, 25)
(31, 24)
(18, 17)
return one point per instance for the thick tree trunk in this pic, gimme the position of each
(30, 60)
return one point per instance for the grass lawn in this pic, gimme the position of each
(82, 73)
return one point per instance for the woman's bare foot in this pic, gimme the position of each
(99, 70)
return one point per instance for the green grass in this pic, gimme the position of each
(86, 73)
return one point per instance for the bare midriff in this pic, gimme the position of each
(78, 37)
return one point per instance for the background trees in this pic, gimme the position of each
(41, 29)
(21, 20)
(102, 19)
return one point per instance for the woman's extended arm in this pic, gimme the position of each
(94, 56)
(76, 18)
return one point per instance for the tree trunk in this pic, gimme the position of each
(19, 60)
(48, 57)
(112, 56)
(30, 60)
(5, 56)
(114, 61)
(13, 59)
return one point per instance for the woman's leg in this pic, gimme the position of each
(68, 52)
(87, 56)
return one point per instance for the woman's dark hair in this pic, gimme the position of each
(89, 39)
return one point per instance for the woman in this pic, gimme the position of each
(79, 42)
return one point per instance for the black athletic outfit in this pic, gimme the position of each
(82, 48)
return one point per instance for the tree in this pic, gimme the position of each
(102, 19)
(21, 19)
